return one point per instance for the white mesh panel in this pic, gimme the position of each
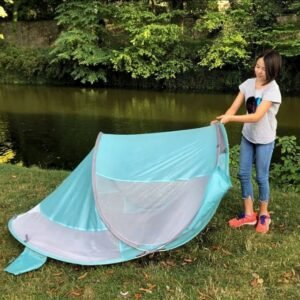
(64, 242)
(150, 214)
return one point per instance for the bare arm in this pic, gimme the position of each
(236, 104)
(248, 118)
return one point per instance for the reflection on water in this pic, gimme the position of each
(57, 126)
(7, 153)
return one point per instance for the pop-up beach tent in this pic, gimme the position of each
(132, 195)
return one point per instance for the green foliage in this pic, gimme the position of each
(234, 162)
(225, 41)
(154, 51)
(196, 7)
(29, 10)
(286, 35)
(163, 40)
(211, 21)
(287, 42)
(233, 36)
(31, 64)
(154, 46)
(276, 28)
(3, 14)
(286, 173)
(81, 49)
(228, 49)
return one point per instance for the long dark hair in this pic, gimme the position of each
(273, 63)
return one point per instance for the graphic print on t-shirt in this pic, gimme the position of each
(252, 103)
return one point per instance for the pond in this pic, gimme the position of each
(55, 127)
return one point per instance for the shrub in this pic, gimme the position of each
(286, 173)
(26, 65)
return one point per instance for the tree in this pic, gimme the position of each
(231, 37)
(128, 37)
(3, 14)
(154, 44)
(286, 32)
(28, 10)
(81, 48)
(162, 38)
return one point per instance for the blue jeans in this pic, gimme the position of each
(261, 154)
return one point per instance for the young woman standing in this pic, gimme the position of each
(262, 98)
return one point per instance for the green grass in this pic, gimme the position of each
(220, 263)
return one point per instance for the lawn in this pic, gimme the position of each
(220, 263)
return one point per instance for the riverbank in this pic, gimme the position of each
(220, 263)
(33, 66)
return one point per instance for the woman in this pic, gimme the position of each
(262, 98)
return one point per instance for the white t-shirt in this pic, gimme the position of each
(263, 131)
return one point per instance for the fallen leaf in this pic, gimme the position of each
(226, 252)
(169, 263)
(254, 283)
(257, 281)
(146, 290)
(137, 296)
(216, 247)
(149, 288)
(82, 276)
(75, 293)
(288, 275)
(260, 281)
(145, 275)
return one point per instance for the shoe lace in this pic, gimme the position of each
(241, 216)
(263, 219)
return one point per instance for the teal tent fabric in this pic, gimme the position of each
(132, 195)
(27, 261)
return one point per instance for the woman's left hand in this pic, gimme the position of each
(224, 118)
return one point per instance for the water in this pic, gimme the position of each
(55, 127)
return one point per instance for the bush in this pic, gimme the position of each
(286, 173)
(26, 65)
(234, 162)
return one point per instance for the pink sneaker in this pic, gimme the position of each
(263, 224)
(242, 220)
